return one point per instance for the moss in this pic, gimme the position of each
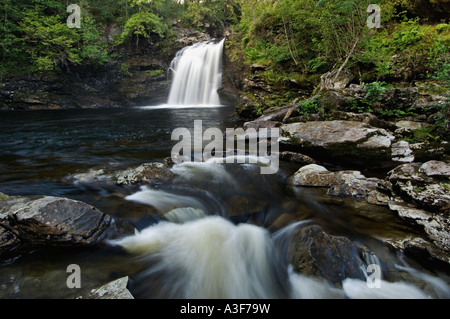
(156, 72)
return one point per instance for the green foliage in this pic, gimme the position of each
(144, 24)
(154, 72)
(374, 91)
(48, 41)
(309, 106)
(212, 15)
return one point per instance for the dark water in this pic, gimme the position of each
(41, 150)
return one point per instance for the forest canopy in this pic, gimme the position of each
(294, 39)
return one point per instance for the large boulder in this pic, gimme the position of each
(314, 252)
(313, 175)
(54, 221)
(346, 141)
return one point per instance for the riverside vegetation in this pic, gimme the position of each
(363, 112)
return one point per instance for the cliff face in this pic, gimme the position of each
(135, 76)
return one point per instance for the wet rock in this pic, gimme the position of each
(425, 185)
(9, 242)
(242, 205)
(354, 184)
(349, 141)
(342, 183)
(435, 226)
(146, 173)
(53, 221)
(116, 289)
(418, 247)
(313, 175)
(297, 158)
(92, 176)
(314, 252)
(187, 37)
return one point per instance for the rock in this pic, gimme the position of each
(343, 183)
(436, 169)
(347, 141)
(426, 151)
(398, 98)
(313, 175)
(116, 289)
(258, 124)
(53, 221)
(401, 152)
(433, 10)
(362, 117)
(187, 37)
(329, 81)
(9, 242)
(246, 107)
(435, 226)
(354, 184)
(297, 158)
(419, 247)
(425, 185)
(146, 173)
(410, 125)
(313, 252)
(242, 205)
(92, 176)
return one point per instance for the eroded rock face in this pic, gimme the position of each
(425, 185)
(435, 226)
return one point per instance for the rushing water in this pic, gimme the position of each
(218, 230)
(197, 74)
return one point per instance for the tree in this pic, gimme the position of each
(48, 41)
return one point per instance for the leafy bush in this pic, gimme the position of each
(310, 106)
(144, 24)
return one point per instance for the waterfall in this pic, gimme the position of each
(197, 74)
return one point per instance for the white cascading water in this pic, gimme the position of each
(193, 254)
(197, 74)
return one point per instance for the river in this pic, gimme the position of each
(226, 240)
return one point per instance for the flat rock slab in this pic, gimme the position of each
(53, 221)
(348, 140)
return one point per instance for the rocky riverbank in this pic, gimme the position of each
(336, 154)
